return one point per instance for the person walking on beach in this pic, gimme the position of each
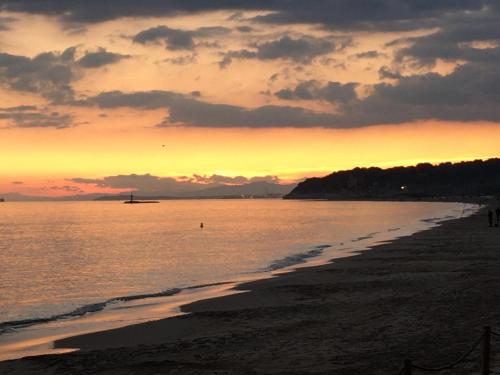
(490, 217)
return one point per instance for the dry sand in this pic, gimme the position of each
(424, 297)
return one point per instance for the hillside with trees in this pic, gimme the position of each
(424, 181)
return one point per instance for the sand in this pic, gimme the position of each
(424, 297)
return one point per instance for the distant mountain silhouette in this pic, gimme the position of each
(259, 189)
(423, 181)
(16, 197)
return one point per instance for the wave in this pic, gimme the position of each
(294, 259)
(10, 326)
(393, 229)
(13, 325)
(368, 236)
(438, 219)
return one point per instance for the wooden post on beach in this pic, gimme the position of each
(485, 357)
(407, 367)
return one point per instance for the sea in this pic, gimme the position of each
(68, 268)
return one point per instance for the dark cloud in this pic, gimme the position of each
(274, 78)
(367, 55)
(5, 23)
(151, 185)
(100, 58)
(377, 15)
(456, 39)
(463, 32)
(32, 117)
(17, 182)
(142, 99)
(333, 92)
(341, 14)
(301, 50)
(47, 74)
(19, 108)
(50, 74)
(197, 113)
(186, 110)
(386, 73)
(244, 29)
(142, 183)
(470, 93)
(182, 60)
(211, 31)
(177, 39)
(173, 39)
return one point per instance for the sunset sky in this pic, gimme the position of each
(177, 93)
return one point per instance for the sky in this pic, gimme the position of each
(111, 96)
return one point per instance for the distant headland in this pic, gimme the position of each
(445, 181)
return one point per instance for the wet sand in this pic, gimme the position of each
(424, 297)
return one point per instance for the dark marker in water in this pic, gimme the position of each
(201, 225)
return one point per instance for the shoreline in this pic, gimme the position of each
(119, 312)
(325, 307)
(117, 337)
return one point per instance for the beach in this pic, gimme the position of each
(425, 297)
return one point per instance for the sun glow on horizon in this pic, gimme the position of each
(213, 93)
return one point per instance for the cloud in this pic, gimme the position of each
(151, 185)
(17, 182)
(197, 113)
(385, 73)
(341, 14)
(186, 110)
(182, 60)
(5, 23)
(461, 32)
(367, 55)
(100, 58)
(456, 39)
(470, 93)
(381, 15)
(301, 50)
(32, 117)
(177, 39)
(154, 99)
(19, 108)
(333, 92)
(245, 29)
(216, 179)
(50, 74)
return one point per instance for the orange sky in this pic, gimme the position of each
(104, 141)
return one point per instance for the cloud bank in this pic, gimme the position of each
(154, 185)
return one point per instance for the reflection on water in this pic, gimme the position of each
(67, 258)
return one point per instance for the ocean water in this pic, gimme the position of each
(66, 260)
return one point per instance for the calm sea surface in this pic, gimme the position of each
(64, 259)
